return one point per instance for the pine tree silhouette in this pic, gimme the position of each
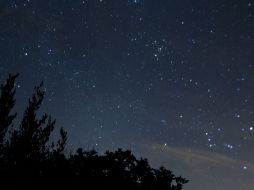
(7, 102)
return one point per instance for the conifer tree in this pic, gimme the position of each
(7, 102)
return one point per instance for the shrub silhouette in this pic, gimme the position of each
(28, 158)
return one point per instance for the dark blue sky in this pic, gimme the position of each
(171, 80)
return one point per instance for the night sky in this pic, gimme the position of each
(172, 80)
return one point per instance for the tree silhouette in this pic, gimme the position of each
(28, 159)
(29, 141)
(7, 102)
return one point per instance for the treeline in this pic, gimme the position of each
(29, 160)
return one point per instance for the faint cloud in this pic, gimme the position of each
(194, 157)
